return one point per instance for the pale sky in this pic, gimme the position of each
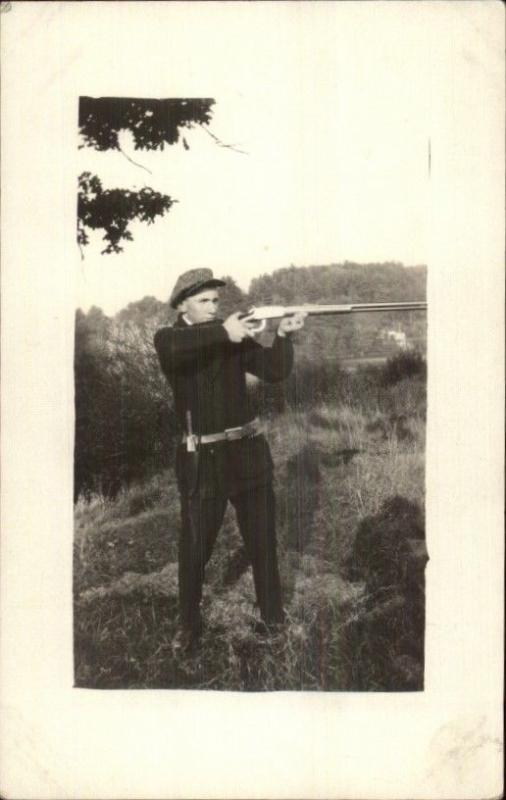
(336, 129)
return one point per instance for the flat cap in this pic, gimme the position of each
(192, 282)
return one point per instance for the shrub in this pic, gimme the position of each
(389, 557)
(408, 364)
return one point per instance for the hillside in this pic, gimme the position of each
(350, 499)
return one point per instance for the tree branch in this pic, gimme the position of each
(134, 162)
(222, 144)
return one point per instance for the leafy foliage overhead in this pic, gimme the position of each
(113, 209)
(153, 123)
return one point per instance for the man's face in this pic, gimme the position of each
(201, 307)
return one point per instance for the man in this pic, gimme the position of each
(222, 456)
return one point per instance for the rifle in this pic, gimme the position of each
(261, 314)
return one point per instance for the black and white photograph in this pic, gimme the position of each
(250, 448)
(252, 465)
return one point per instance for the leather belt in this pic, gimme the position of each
(228, 435)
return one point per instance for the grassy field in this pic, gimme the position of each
(350, 499)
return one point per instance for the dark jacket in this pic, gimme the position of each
(207, 374)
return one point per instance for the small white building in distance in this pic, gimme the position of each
(399, 337)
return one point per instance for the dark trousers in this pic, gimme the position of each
(201, 521)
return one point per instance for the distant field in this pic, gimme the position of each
(350, 500)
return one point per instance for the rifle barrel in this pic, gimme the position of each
(362, 307)
(408, 306)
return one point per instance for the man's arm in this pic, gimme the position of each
(273, 364)
(183, 348)
(179, 349)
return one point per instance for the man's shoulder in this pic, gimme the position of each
(162, 335)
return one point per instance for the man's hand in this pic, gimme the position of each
(293, 323)
(237, 329)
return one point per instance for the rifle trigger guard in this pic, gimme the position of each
(260, 327)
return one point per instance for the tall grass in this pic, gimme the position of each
(336, 468)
